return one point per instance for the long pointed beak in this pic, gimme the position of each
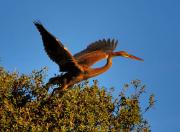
(131, 56)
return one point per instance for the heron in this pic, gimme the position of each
(78, 67)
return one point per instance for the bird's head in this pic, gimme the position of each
(127, 55)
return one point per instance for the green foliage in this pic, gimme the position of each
(26, 105)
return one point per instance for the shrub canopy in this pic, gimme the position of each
(26, 105)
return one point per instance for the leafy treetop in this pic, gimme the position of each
(25, 105)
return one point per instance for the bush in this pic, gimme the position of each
(26, 105)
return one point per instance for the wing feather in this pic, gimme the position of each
(100, 45)
(89, 59)
(95, 52)
(56, 51)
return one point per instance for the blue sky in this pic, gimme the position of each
(149, 29)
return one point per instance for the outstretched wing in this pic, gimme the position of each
(100, 45)
(95, 52)
(57, 52)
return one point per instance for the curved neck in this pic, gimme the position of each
(97, 71)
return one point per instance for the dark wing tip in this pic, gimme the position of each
(37, 22)
(103, 44)
(40, 27)
(113, 42)
(109, 40)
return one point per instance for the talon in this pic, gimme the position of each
(54, 91)
(57, 90)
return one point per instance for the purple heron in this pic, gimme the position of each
(77, 67)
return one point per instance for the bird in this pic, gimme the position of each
(78, 67)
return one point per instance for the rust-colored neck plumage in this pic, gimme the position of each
(97, 71)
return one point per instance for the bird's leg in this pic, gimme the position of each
(54, 91)
(53, 81)
(63, 87)
(59, 90)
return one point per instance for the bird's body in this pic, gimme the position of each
(78, 67)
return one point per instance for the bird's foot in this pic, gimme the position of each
(60, 90)
(54, 80)
(54, 90)
(47, 86)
